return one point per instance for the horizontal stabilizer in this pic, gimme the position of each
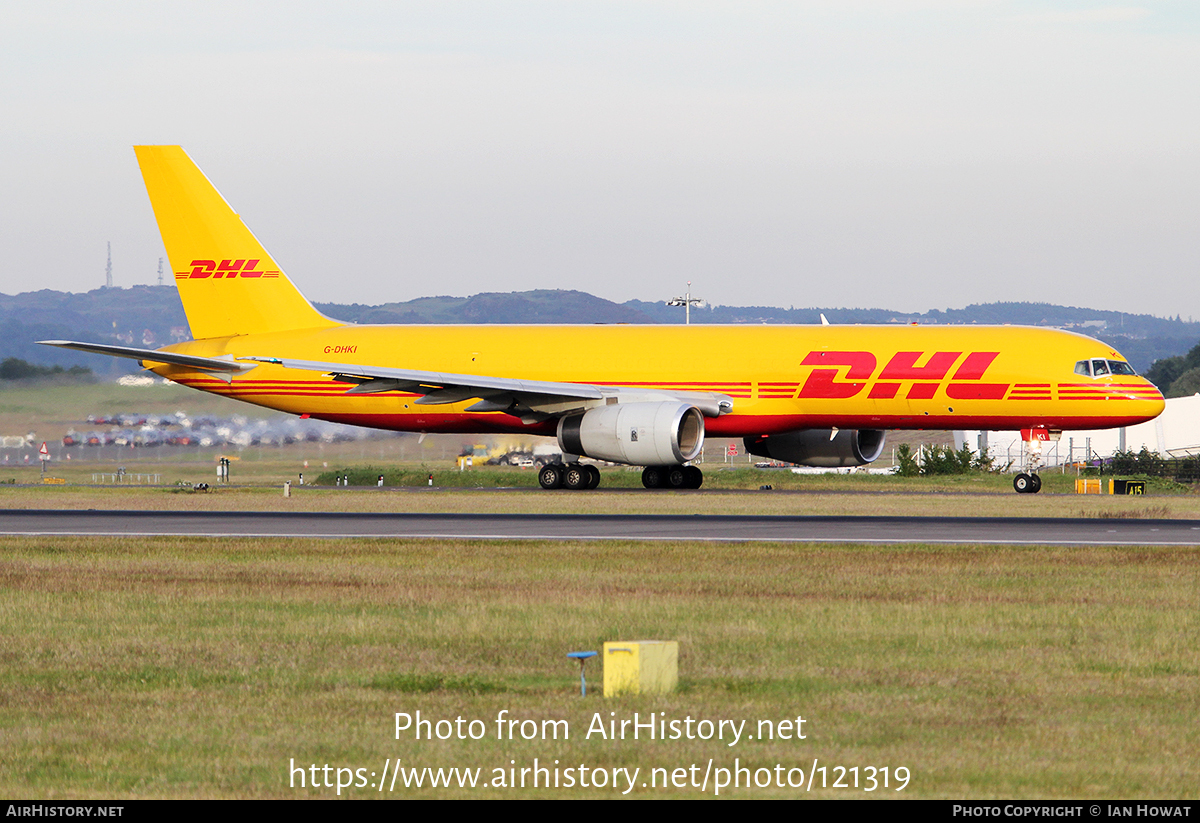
(217, 364)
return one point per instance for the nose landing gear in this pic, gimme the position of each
(1027, 483)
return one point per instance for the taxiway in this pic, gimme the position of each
(797, 529)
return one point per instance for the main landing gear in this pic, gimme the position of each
(576, 476)
(573, 476)
(1027, 483)
(672, 477)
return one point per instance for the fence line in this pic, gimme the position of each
(122, 477)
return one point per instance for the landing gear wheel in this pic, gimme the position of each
(1036, 480)
(551, 476)
(653, 477)
(593, 477)
(693, 478)
(676, 477)
(575, 477)
(1023, 483)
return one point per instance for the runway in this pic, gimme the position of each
(731, 528)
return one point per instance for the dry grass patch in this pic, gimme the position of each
(902, 500)
(1143, 512)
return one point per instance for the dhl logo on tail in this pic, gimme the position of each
(226, 268)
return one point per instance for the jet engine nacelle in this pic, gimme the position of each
(820, 447)
(640, 434)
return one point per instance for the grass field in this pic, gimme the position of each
(202, 668)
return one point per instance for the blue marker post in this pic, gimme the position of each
(582, 657)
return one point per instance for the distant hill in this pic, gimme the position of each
(149, 316)
(539, 306)
(1017, 314)
(152, 316)
(1142, 338)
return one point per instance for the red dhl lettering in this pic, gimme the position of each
(975, 365)
(922, 391)
(341, 349)
(203, 268)
(903, 366)
(237, 268)
(226, 269)
(821, 382)
(926, 379)
(229, 268)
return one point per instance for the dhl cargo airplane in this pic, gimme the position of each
(638, 395)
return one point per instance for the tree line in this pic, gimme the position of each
(1177, 376)
(13, 368)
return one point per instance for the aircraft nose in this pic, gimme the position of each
(1149, 400)
(1156, 406)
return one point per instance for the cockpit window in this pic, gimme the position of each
(1103, 368)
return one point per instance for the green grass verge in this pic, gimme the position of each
(716, 476)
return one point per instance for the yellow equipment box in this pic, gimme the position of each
(641, 667)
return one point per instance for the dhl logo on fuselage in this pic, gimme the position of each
(225, 269)
(902, 368)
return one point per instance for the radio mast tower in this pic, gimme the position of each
(108, 268)
(160, 271)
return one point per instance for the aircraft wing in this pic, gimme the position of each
(531, 400)
(225, 364)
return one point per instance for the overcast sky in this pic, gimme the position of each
(899, 154)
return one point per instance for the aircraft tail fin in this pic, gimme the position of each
(227, 281)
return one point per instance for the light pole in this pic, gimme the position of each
(687, 301)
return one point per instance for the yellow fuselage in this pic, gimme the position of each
(781, 378)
